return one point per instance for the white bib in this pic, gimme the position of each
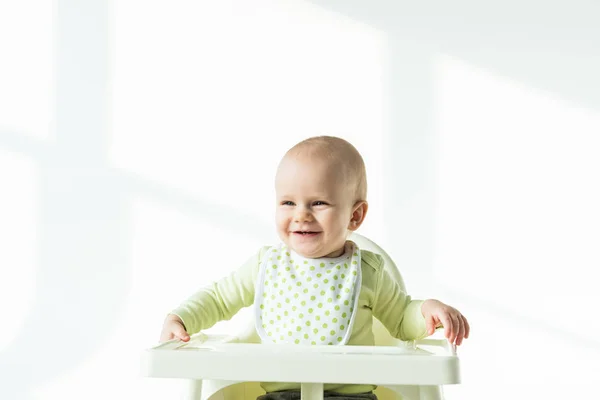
(307, 301)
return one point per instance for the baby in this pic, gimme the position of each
(317, 287)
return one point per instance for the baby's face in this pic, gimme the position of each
(314, 207)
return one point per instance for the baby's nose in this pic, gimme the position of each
(302, 214)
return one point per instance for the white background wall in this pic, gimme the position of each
(134, 135)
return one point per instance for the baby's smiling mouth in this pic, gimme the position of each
(305, 233)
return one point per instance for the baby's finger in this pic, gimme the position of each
(430, 325)
(461, 331)
(180, 333)
(467, 327)
(455, 328)
(448, 326)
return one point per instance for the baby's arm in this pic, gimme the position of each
(216, 302)
(400, 314)
(409, 319)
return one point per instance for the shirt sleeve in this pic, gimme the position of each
(222, 299)
(396, 310)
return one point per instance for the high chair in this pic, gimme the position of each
(231, 367)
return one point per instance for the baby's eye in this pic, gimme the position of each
(287, 203)
(319, 203)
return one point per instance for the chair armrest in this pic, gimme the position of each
(444, 344)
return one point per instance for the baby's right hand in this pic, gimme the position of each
(173, 328)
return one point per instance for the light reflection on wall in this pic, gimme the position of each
(19, 208)
(517, 224)
(27, 69)
(206, 101)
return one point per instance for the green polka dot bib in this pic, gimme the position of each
(307, 301)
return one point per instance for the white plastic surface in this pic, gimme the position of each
(218, 358)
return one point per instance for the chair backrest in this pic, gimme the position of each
(367, 244)
(382, 336)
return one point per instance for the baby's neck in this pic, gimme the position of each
(335, 254)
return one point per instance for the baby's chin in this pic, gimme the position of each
(313, 253)
(306, 252)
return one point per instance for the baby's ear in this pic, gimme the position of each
(359, 212)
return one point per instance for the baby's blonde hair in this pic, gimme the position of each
(340, 152)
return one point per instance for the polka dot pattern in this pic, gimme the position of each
(307, 301)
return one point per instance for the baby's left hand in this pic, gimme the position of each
(438, 314)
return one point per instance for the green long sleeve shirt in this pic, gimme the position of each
(380, 297)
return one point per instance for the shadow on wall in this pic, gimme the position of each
(84, 219)
(550, 47)
(553, 47)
